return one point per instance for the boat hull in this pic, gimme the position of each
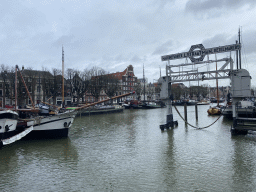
(8, 123)
(56, 126)
(48, 134)
(228, 113)
(151, 106)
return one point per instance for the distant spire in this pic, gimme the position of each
(160, 71)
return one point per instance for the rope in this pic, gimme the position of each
(193, 125)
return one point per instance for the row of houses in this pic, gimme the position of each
(47, 87)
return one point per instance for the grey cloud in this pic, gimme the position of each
(120, 58)
(216, 8)
(135, 59)
(162, 3)
(248, 40)
(164, 48)
(219, 40)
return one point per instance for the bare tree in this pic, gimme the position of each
(151, 90)
(97, 81)
(110, 85)
(70, 73)
(30, 78)
(46, 82)
(55, 84)
(138, 90)
(80, 83)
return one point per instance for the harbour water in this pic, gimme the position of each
(128, 152)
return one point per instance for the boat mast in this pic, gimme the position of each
(144, 82)
(62, 76)
(16, 89)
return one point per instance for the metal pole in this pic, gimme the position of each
(236, 57)
(169, 119)
(217, 81)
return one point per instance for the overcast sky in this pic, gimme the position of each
(116, 33)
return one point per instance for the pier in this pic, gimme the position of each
(240, 80)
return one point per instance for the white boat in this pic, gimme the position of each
(8, 128)
(45, 124)
(48, 126)
(52, 125)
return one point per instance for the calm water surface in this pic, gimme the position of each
(128, 152)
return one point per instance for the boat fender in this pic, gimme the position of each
(6, 128)
(65, 124)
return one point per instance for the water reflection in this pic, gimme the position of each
(129, 152)
(243, 162)
(169, 163)
(44, 159)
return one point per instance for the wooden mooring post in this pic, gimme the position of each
(196, 111)
(185, 112)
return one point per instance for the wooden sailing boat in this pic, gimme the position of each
(9, 132)
(48, 125)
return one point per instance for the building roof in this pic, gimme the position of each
(119, 75)
(178, 85)
(28, 72)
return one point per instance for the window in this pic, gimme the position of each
(1, 92)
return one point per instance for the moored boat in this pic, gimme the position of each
(204, 102)
(48, 126)
(214, 110)
(8, 128)
(244, 108)
(132, 104)
(8, 122)
(153, 105)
